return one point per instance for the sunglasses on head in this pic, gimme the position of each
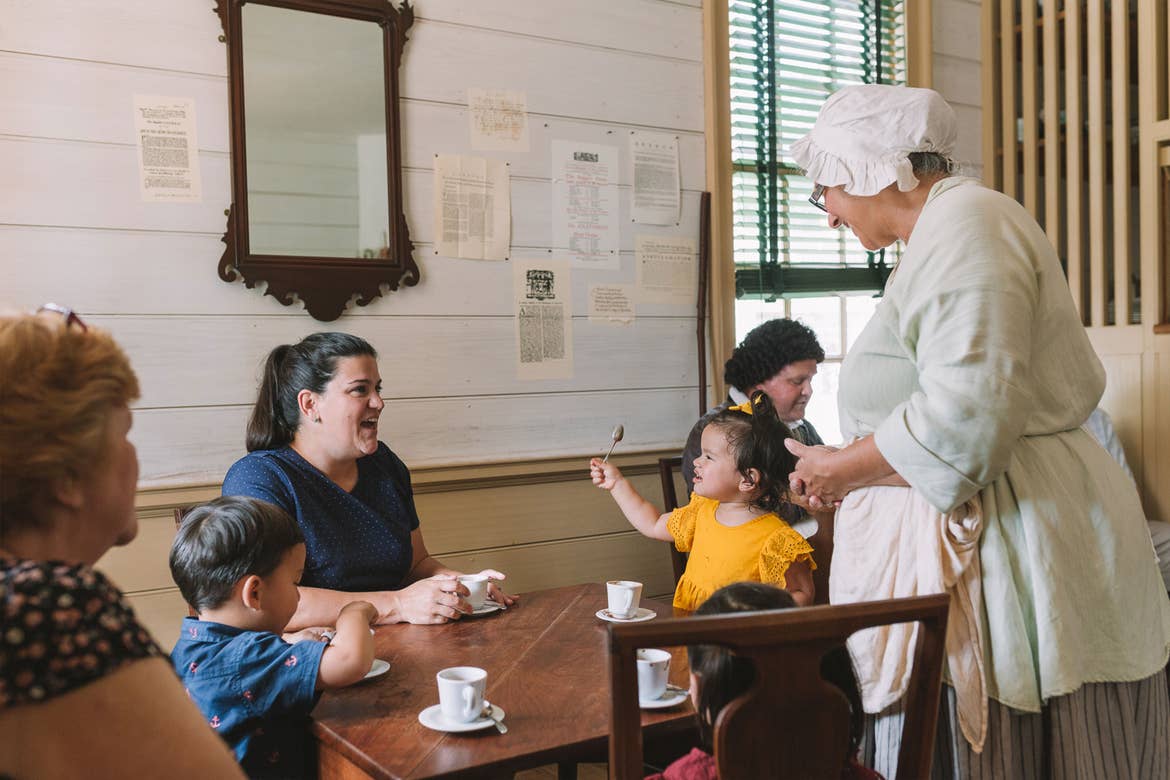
(71, 317)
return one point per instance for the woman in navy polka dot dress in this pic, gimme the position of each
(313, 450)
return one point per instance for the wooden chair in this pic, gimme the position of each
(791, 722)
(180, 513)
(666, 468)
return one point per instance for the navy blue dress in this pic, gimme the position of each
(354, 541)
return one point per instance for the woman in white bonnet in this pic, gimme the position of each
(970, 385)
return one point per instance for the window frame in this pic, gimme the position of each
(717, 110)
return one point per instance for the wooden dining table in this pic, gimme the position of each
(546, 659)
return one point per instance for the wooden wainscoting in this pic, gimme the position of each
(541, 523)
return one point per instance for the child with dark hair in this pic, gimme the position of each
(237, 562)
(718, 676)
(730, 527)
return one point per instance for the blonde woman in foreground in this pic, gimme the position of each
(84, 689)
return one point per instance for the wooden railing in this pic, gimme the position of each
(1076, 129)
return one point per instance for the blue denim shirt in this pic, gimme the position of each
(255, 689)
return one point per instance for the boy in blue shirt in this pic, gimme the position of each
(237, 562)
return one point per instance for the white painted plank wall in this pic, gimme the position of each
(72, 227)
(956, 31)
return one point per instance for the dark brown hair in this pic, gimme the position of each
(221, 542)
(756, 441)
(290, 368)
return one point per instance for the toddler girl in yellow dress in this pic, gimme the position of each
(730, 527)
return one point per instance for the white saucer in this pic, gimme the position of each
(379, 667)
(673, 696)
(642, 614)
(487, 608)
(432, 718)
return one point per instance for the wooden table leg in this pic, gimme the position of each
(567, 770)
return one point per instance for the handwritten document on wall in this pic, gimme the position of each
(168, 151)
(473, 212)
(654, 158)
(585, 203)
(544, 319)
(499, 120)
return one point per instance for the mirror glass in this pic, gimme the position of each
(315, 140)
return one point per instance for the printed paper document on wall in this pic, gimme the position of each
(585, 203)
(667, 269)
(544, 319)
(472, 203)
(654, 159)
(168, 150)
(611, 303)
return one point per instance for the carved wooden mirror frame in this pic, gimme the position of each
(325, 284)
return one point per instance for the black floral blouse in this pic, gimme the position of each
(63, 625)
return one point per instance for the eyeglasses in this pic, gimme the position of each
(815, 199)
(70, 316)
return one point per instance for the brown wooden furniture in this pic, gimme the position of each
(180, 513)
(791, 723)
(546, 665)
(327, 281)
(666, 468)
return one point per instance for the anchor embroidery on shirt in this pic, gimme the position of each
(292, 661)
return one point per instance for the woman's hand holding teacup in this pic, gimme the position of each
(436, 599)
(494, 591)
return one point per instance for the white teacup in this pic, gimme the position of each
(624, 597)
(653, 669)
(476, 585)
(461, 693)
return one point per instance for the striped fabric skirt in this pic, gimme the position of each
(1102, 730)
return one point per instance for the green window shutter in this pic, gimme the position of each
(787, 57)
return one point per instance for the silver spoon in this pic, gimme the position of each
(618, 433)
(490, 712)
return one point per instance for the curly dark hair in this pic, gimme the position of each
(768, 348)
(756, 441)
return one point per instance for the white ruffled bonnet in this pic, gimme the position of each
(864, 134)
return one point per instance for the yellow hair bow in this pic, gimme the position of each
(745, 407)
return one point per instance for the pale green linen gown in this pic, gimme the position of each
(975, 376)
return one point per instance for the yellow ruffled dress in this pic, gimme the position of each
(760, 550)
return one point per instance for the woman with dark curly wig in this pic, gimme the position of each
(780, 358)
(84, 689)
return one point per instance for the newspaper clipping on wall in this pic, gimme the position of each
(544, 319)
(472, 205)
(654, 159)
(168, 149)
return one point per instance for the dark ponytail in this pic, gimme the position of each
(290, 368)
(756, 441)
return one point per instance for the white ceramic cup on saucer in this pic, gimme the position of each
(476, 585)
(624, 597)
(461, 693)
(653, 670)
